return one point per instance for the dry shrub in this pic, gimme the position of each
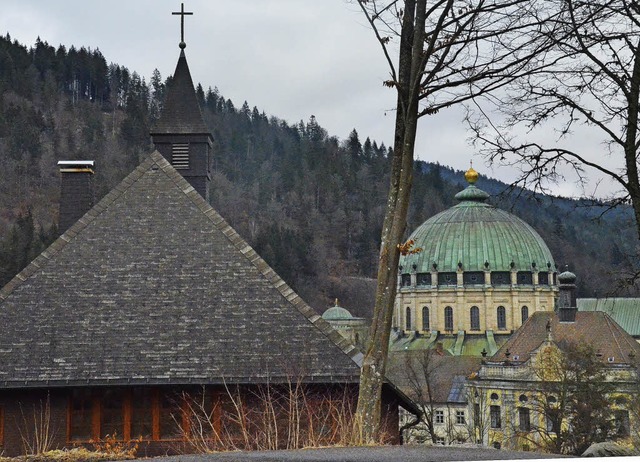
(292, 415)
(80, 454)
(116, 448)
(36, 430)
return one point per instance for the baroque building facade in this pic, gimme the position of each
(530, 394)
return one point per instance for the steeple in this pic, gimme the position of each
(181, 134)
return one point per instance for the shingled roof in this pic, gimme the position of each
(153, 286)
(181, 113)
(595, 328)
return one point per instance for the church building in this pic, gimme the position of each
(479, 274)
(151, 298)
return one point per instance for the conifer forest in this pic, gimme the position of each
(309, 203)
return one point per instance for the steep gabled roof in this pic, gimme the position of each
(153, 286)
(594, 328)
(181, 113)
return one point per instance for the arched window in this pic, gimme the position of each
(408, 319)
(448, 318)
(525, 313)
(425, 318)
(502, 318)
(475, 318)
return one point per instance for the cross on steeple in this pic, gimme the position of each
(182, 14)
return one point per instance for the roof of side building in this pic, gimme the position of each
(153, 286)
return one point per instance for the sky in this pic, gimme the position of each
(290, 58)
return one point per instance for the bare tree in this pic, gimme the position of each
(479, 421)
(421, 370)
(575, 398)
(589, 83)
(448, 51)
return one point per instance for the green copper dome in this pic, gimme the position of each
(337, 313)
(475, 236)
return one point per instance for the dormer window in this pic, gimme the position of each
(180, 156)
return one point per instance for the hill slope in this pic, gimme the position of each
(310, 204)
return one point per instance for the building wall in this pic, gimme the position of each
(80, 416)
(449, 428)
(460, 298)
(356, 331)
(510, 388)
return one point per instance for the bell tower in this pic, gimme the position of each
(181, 134)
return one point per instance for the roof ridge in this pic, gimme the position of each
(65, 238)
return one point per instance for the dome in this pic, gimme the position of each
(567, 277)
(336, 313)
(475, 236)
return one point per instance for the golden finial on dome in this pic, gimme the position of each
(471, 175)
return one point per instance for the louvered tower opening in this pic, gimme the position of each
(180, 156)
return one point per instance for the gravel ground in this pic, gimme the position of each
(405, 453)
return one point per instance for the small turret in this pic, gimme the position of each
(567, 304)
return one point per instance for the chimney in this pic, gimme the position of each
(76, 191)
(567, 304)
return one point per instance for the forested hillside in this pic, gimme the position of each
(311, 204)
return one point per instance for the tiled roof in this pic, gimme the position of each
(181, 113)
(153, 286)
(445, 373)
(624, 311)
(595, 328)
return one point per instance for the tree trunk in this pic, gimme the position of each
(368, 413)
(630, 149)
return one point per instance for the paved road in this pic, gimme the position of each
(405, 453)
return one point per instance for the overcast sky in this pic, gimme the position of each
(290, 58)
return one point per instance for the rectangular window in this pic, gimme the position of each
(170, 416)
(440, 440)
(141, 414)
(460, 419)
(476, 415)
(1, 427)
(112, 414)
(180, 156)
(500, 278)
(473, 278)
(439, 417)
(621, 421)
(552, 420)
(447, 279)
(524, 419)
(423, 279)
(543, 278)
(496, 420)
(81, 415)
